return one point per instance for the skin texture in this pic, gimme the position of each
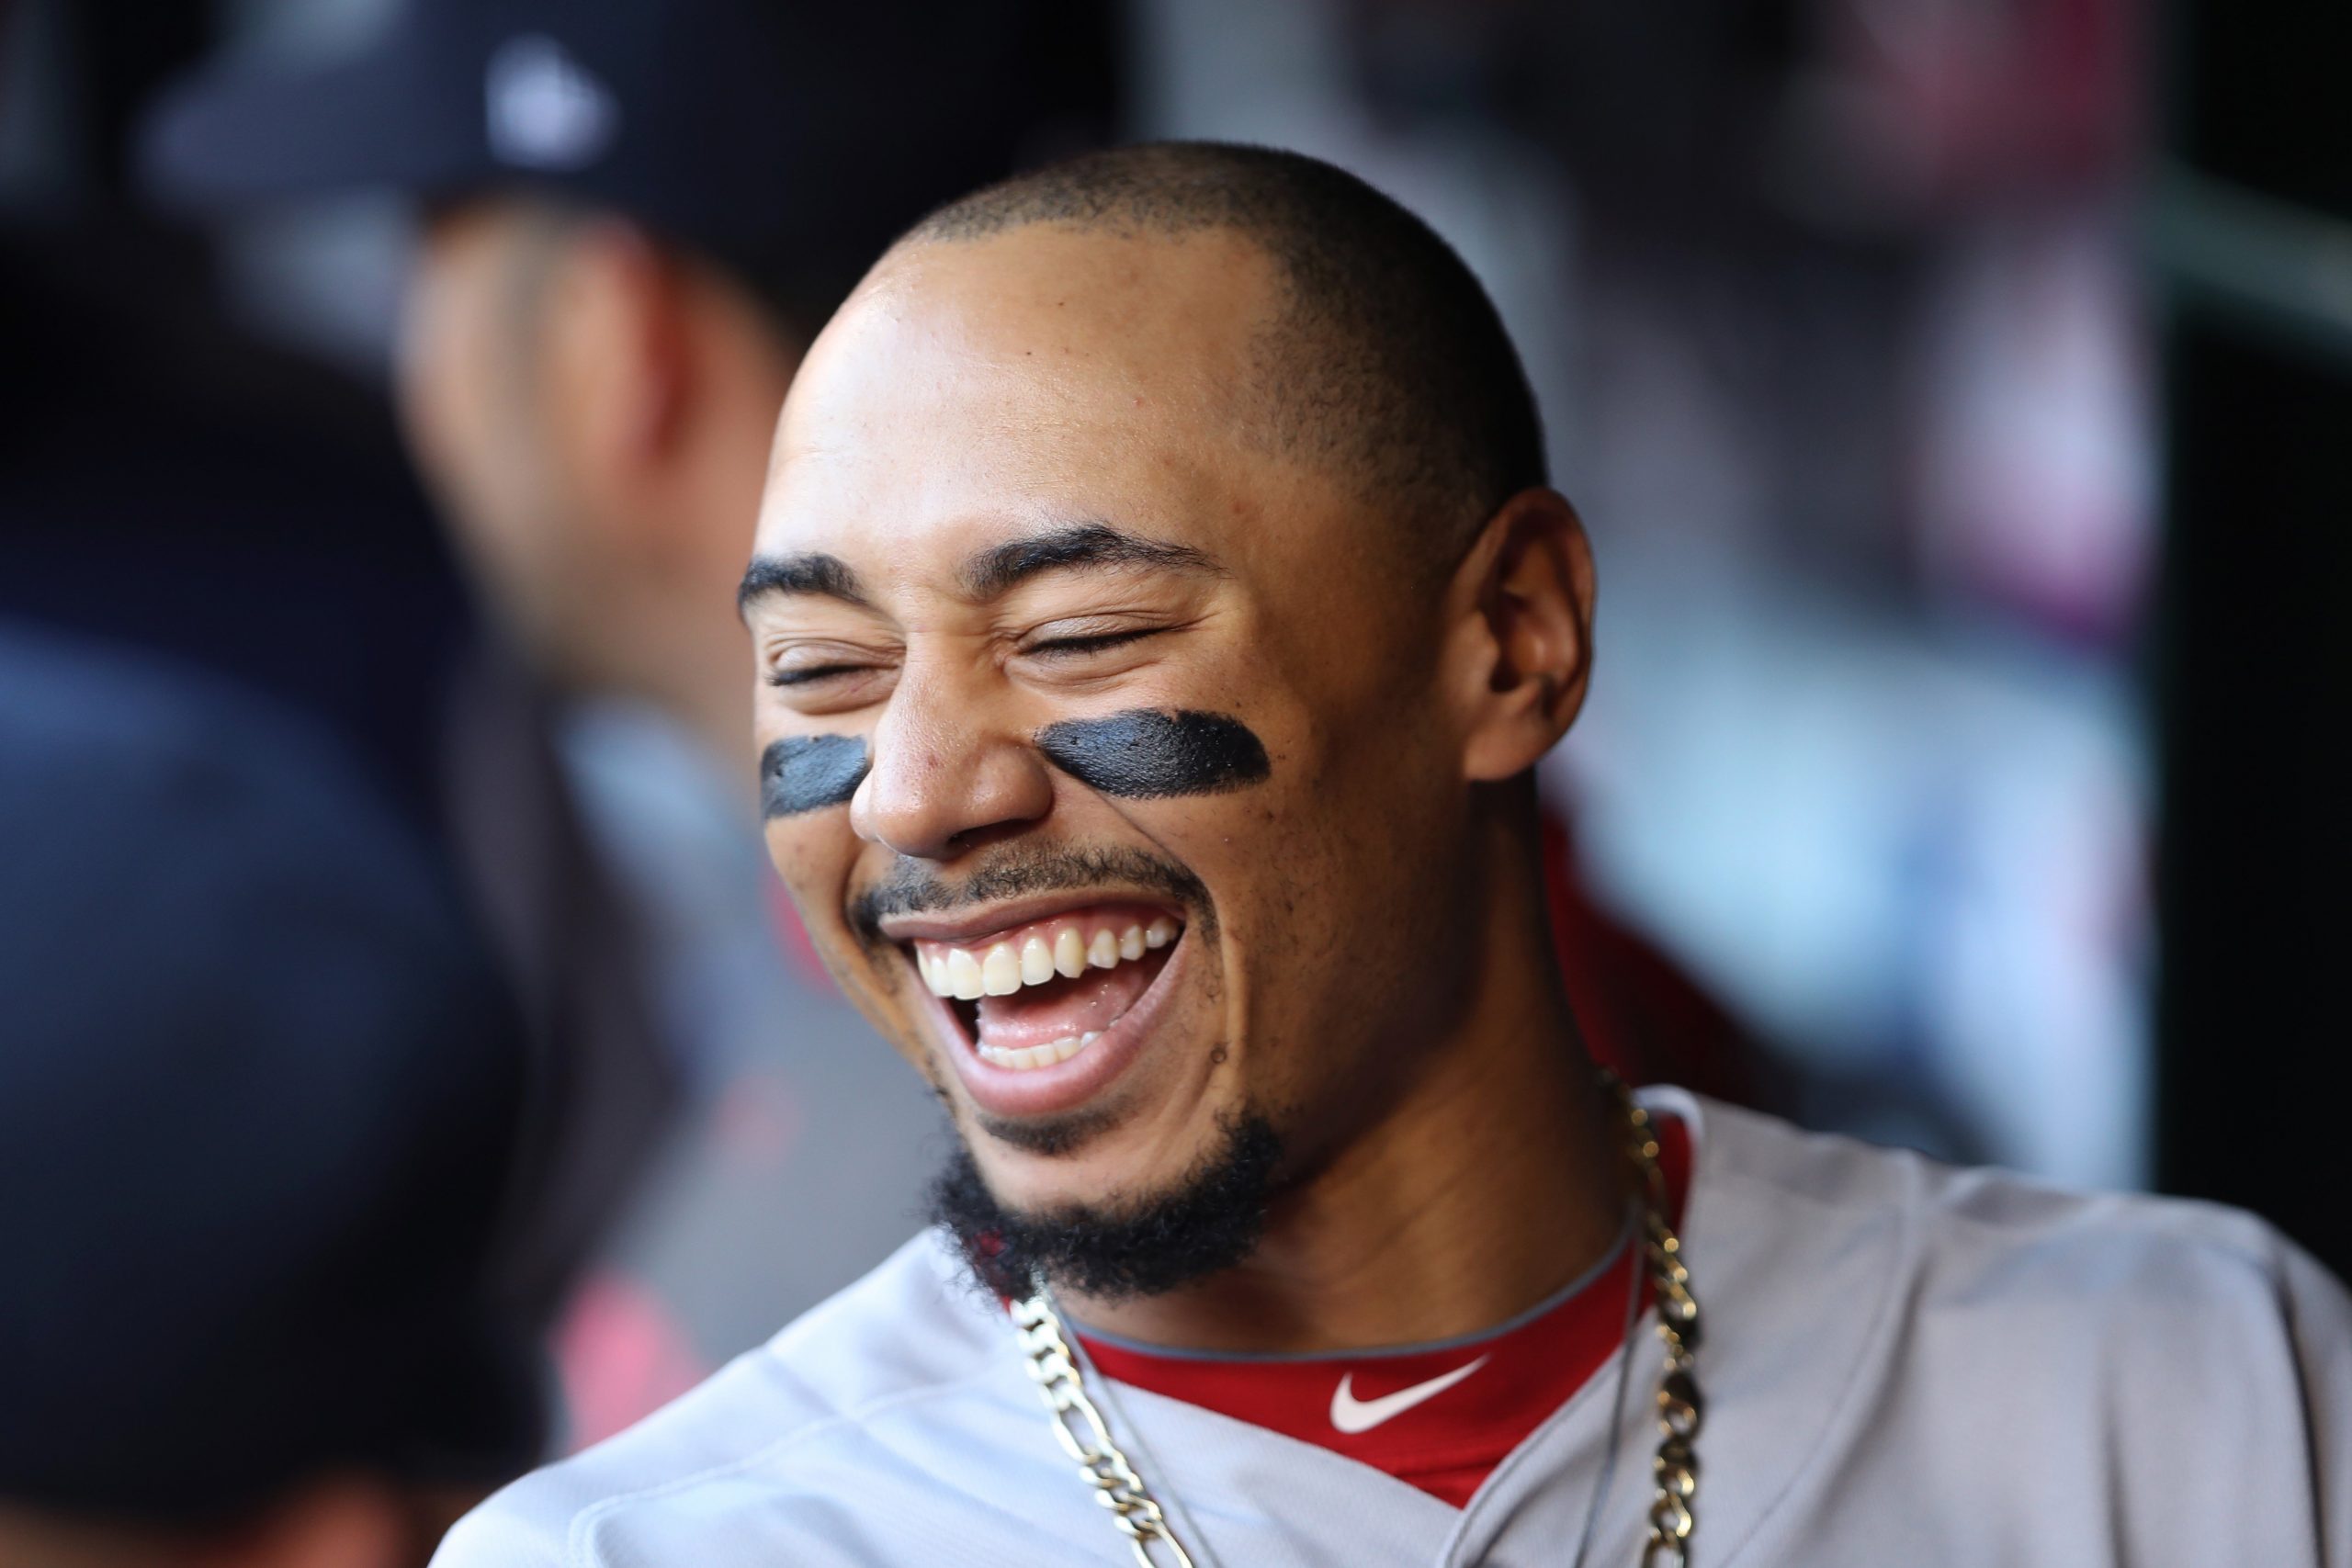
(593, 412)
(1375, 980)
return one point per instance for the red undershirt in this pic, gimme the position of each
(1444, 1429)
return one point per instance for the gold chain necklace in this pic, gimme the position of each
(1078, 1421)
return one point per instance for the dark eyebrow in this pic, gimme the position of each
(810, 573)
(1077, 546)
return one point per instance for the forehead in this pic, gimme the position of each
(972, 389)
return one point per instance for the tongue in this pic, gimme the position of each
(1038, 1015)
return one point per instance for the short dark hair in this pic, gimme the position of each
(1387, 359)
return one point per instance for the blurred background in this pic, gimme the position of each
(1958, 394)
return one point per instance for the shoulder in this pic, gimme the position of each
(912, 1326)
(2050, 1375)
(2151, 1307)
(1992, 1234)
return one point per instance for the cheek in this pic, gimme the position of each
(1274, 869)
(1324, 875)
(438, 384)
(477, 446)
(433, 414)
(813, 860)
(814, 857)
(454, 431)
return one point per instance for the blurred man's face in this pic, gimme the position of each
(1085, 707)
(493, 406)
(469, 396)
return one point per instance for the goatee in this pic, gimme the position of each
(1203, 1226)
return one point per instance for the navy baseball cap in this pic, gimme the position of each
(260, 1096)
(763, 131)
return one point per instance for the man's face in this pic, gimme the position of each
(1159, 783)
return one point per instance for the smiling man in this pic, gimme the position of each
(1159, 604)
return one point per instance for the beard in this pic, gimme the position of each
(1206, 1224)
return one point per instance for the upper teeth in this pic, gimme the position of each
(1067, 951)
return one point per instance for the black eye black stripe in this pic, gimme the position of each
(808, 772)
(1144, 754)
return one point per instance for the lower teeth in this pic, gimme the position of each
(1044, 1056)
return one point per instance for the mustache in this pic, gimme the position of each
(912, 887)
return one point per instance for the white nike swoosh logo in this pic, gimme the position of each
(1352, 1414)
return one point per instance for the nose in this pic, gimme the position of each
(946, 778)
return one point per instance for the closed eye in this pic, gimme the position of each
(811, 674)
(1072, 647)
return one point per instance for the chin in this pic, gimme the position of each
(1111, 1158)
(1144, 1235)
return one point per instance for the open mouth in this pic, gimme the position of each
(1037, 995)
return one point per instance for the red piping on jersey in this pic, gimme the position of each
(1448, 1441)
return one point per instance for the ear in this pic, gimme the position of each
(1520, 643)
(618, 360)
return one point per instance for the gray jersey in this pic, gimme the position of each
(1903, 1363)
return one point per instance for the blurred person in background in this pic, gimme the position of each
(635, 216)
(262, 1107)
(171, 481)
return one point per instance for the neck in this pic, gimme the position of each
(1493, 1183)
